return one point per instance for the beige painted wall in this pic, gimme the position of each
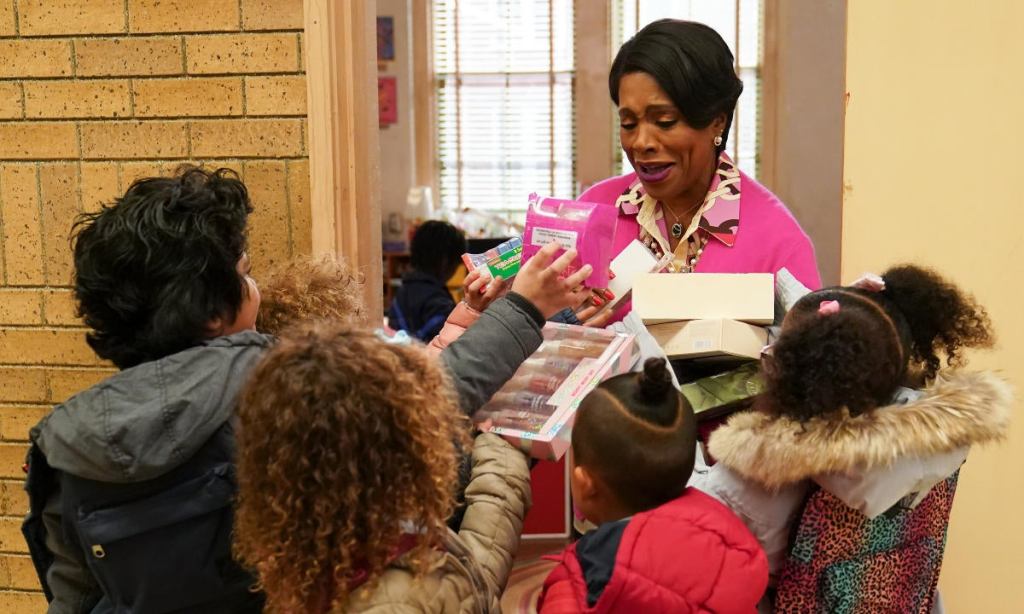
(933, 134)
(802, 118)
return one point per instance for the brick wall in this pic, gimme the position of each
(93, 94)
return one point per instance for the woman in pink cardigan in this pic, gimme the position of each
(676, 90)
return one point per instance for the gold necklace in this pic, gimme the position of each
(677, 228)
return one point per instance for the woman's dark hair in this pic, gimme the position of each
(857, 357)
(638, 434)
(691, 63)
(437, 248)
(156, 267)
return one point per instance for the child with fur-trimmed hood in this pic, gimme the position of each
(857, 407)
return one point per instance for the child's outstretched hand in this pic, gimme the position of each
(479, 291)
(538, 281)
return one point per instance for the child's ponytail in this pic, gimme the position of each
(654, 382)
(941, 320)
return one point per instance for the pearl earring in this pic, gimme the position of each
(718, 141)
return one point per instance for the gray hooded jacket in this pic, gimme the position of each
(147, 422)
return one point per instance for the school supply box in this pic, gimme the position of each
(589, 228)
(719, 395)
(501, 261)
(716, 340)
(633, 261)
(535, 409)
(747, 297)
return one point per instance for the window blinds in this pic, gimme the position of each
(739, 24)
(504, 79)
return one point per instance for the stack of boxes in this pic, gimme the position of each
(707, 317)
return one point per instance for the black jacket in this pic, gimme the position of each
(420, 306)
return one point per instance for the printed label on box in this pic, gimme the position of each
(506, 265)
(573, 384)
(566, 239)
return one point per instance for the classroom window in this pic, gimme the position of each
(504, 80)
(739, 23)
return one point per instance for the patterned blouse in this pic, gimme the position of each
(717, 217)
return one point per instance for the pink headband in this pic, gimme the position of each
(827, 308)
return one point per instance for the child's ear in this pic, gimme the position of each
(586, 485)
(214, 326)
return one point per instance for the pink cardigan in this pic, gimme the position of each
(768, 237)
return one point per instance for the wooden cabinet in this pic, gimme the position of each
(395, 265)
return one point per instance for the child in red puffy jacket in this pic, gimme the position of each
(659, 546)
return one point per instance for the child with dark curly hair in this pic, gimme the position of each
(346, 481)
(860, 423)
(660, 546)
(131, 481)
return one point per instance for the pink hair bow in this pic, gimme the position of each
(827, 308)
(870, 282)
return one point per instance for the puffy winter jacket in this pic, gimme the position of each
(110, 468)
(472, 568)
(689, 555)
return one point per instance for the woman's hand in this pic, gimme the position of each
(590, 313)
(590, 316)
(479, 291)
(540, 283)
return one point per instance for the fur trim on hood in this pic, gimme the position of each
(959, 409)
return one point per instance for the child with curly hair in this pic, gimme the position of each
(309, 288)
(143, 462)
(861, 426)
(660, 546)
(129, 481)
(345, 481)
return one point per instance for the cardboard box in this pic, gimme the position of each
(747, 297)
(633, 261)
(720, 395)
(535, 410)
(724, 339)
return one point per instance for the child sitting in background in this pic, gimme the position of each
(839, 421)
(660, 546)
(345, 482)
(423, 302)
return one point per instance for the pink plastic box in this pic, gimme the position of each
(535, 409)
(589, 228)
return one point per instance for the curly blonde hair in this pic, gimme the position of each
(342, 437)
(308, 288)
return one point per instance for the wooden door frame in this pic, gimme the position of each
(342, 134)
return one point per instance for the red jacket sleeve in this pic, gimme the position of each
(558, 595)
